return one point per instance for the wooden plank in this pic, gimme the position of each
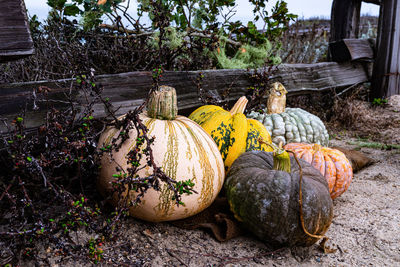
(345, 19)
(128, 90)
(15, 38)
(376, 2)
(386, 72)
(351, 49)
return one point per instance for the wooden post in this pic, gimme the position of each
(386, 72)
(376, 2)
(345, 19)
(15, 38)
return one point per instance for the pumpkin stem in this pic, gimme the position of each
(276, 102)
(163, 104)
(281, 156)
(281, 159)
(239, 106)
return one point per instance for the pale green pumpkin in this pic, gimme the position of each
(290, 125)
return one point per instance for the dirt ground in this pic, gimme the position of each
(365, 230)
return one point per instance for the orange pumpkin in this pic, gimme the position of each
(332, 163)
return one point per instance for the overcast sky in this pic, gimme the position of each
(303, 8)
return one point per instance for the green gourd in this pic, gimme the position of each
(290, 125)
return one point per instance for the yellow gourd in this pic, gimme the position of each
(231, 130)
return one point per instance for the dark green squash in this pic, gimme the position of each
(266, 200)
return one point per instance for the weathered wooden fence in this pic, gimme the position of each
(345, 17)
(128, 90)
(15, 38)
(386, 74)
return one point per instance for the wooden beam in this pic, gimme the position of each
(351, 50)
(128, 90)
(386, 72)
(376, 2)
(345, 19)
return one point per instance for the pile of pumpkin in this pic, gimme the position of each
(264, 184)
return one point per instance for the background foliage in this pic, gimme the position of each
(183, 35)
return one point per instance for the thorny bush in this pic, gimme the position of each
(47, 186)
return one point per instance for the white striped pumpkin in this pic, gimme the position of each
(182, 149)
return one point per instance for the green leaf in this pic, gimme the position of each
(71, 10)
(57, 4)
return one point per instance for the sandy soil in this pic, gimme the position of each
(365, 229)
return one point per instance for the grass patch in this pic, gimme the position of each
(374, 145)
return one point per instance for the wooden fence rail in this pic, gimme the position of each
(127, 90)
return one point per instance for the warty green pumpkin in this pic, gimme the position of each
(290, 125)
(263, 190)
(181, 148)
(231, 130)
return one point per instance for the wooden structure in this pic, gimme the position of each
(386, 74)
(345, 19)
(352, 50)
(15, 38)
(128, 90)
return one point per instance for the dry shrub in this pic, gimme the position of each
(351, 114)
(378, 123)
(355, 113)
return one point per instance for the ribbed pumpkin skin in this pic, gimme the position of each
(233, 134)
(332, 164)
(295, 125)
(266, 200)
(184, 151)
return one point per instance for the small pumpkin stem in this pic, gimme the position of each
(281, 157)
(282, 161)
(276, 102)
(239, 106)
(163, 104)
